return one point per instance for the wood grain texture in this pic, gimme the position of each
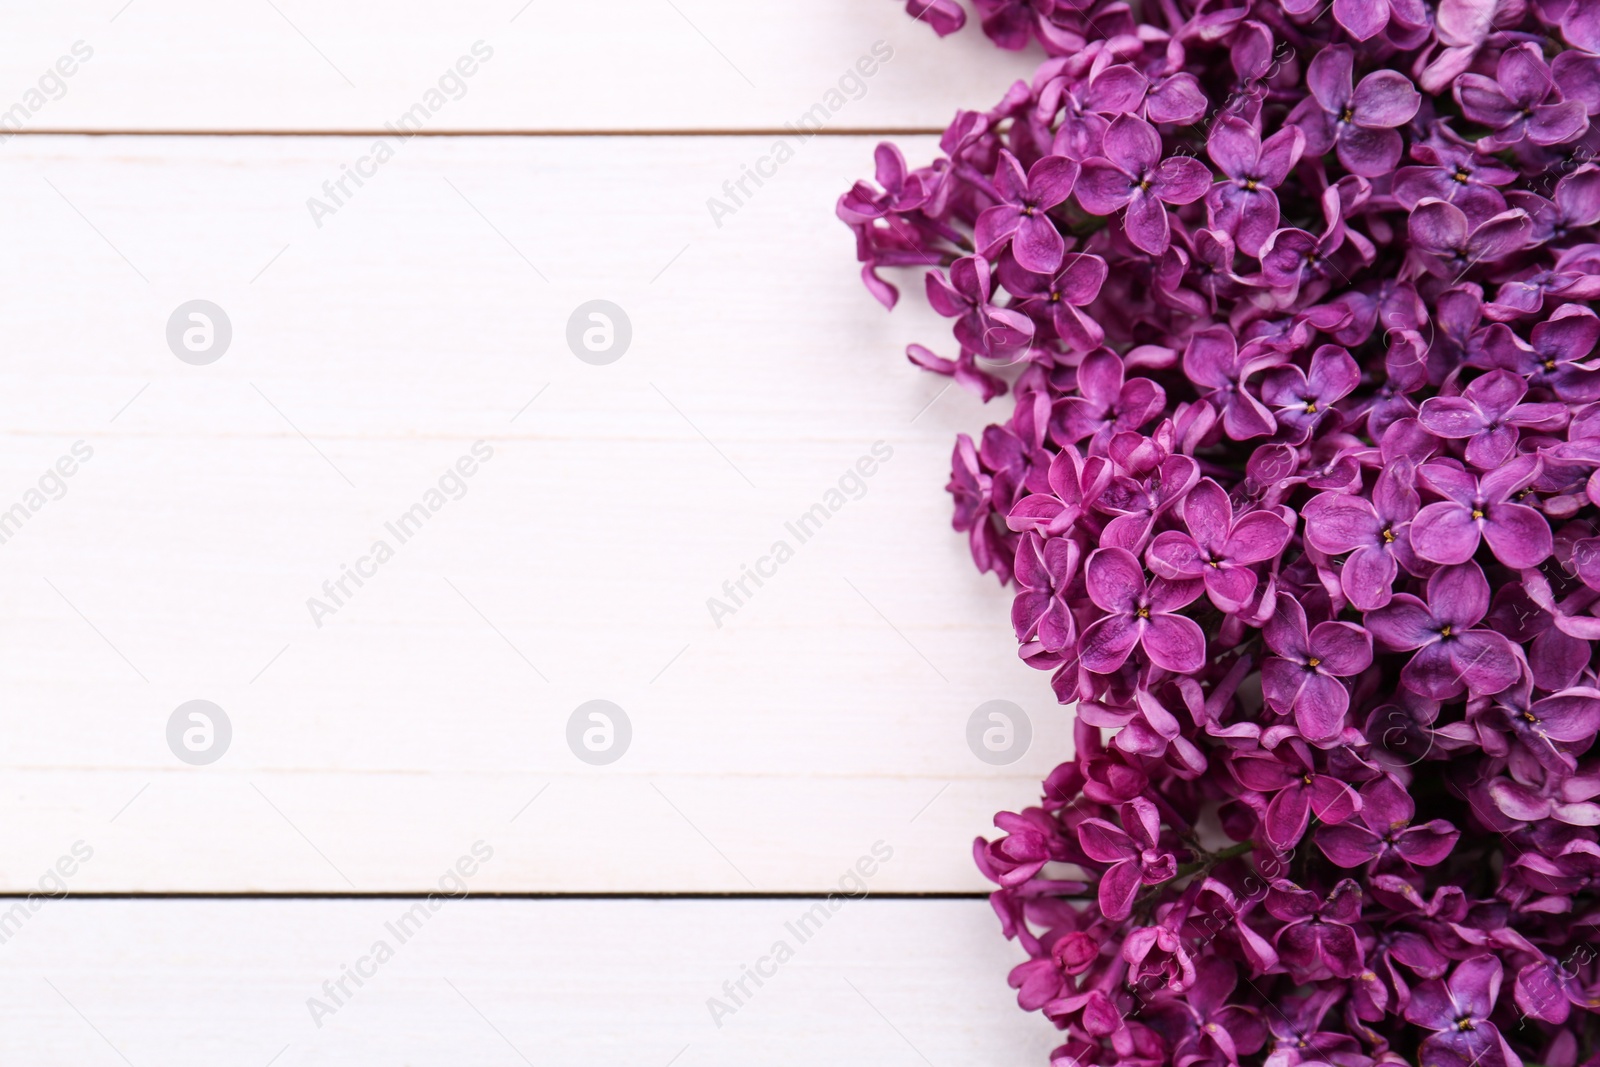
(511, 982)
(296, 65)
(369, 354)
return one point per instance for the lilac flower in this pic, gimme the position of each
(1107, 403)
(1135, 854)
(1044, 570)
(1218, 548)
(1376, 533)
(1369, 431)
(1574, 205)
(1356, 121)
(1139, 614)
(1457, 1011)
(945, 16)
(1317, 939)
(1448, 244)
(1382, 833)
(1549, 729)
(1456, 173)
(1214, 362)
(1060, 298)
(1452, 655)
(1301, 399)
(1302, 677)
(1297, 790)
(1245, 205)
(902, 191)
(1132, 175)
(988, 330)
(1516, 102)
(1449, 531)
(1488, 415)
(1022, 217)
(1553, 357)
(1219, 1026)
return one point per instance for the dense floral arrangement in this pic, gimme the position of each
(1300, 498)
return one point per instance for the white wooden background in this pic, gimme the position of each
(368, 354)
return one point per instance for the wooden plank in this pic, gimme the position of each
(368, 355)
(295, 65)
(505, 982)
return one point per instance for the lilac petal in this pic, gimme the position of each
(1118, 887)
(1370, 153)
(1459, 594)
(1179, 99)
(1175, 555)
(1132, 144)
(1558, 123)
(1114, 580)
(1578, 78)
(1482, 101)
(1235, 146)
(1333, 801)
(1175, 643)
(1348, 845)
(1385, 99)
(1437, 226)
(1571, 716)
(1451, 416)
(1572, 332)
(1258, 536)
(1279, 154)
(1167, 595)
(1362, 19)
(1106, 645)
(1180, 180)
(1523, 75)
(1428, 844)
(1331, 78)
(1103, 189)
(1081, 278)
(1009, 178)
(1497, 392)
(1432, 674)
(1344, 648)
(1405, 624)
(1288, 815)
(1338, 523)
(1258, 216)
(1116, 89)
(1050, 180)
(995, 226)
(1146, 223)
(1368, 578)
(1208, 513)
(1105, 843)
(1497, 238)
(1484, 661)
(1230, 587)
(1519, 535)
(1445, 532)
(1320, 707)
(1038, 245)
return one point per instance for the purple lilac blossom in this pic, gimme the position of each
(1299, 499)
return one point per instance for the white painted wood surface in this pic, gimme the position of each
(369, 354)
(509, 982)
(301, 65)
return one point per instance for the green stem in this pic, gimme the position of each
(1214, 858)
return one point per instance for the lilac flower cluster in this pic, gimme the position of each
(1300, 498)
